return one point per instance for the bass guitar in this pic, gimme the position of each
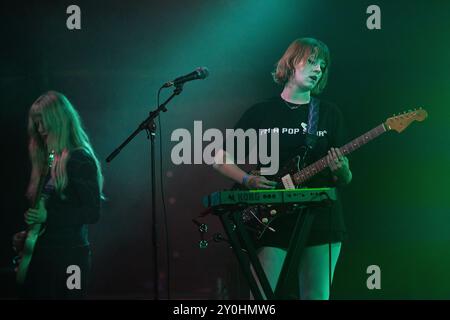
(34, 230)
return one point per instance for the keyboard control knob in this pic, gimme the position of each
(264, 220)
(273, 212)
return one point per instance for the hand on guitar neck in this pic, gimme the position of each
(38, 215)
(339, 166)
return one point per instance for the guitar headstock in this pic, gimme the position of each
(402, 121)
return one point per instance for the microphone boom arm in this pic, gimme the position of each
(146, 124)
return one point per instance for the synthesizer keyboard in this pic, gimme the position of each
(268, 197)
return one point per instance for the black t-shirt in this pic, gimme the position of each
(67, 217)
(291, 121)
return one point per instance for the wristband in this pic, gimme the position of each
(245, 179)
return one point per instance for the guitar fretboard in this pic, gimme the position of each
(311, 170)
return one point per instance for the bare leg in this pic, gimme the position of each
(271, 259)
(314, 271)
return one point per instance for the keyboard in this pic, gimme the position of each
(268, 197)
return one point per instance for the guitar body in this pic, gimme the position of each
(292, 166)
(33, 234)
(259, 218)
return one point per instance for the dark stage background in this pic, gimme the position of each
(397, 208)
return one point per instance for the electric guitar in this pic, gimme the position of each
(294, 174)
(34, 230)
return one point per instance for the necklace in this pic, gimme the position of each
(292, 106)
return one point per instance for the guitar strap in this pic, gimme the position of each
(313, 121)
(311, 133)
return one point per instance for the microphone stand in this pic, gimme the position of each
(149, 125)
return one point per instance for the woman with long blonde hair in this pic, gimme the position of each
(69, 201)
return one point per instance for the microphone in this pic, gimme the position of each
(199, 73)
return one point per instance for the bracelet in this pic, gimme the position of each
(245, 179)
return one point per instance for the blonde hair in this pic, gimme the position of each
(65, 134)
(298, 52)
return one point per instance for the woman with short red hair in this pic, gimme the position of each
(311, 128)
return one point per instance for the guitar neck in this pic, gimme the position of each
(313, 169)
(42, 179)
(39, 189)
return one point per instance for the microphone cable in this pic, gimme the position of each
(163, 198)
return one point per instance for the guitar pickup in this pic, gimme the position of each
(287, 182)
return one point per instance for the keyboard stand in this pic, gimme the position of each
(244, 250)
(289, 271)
